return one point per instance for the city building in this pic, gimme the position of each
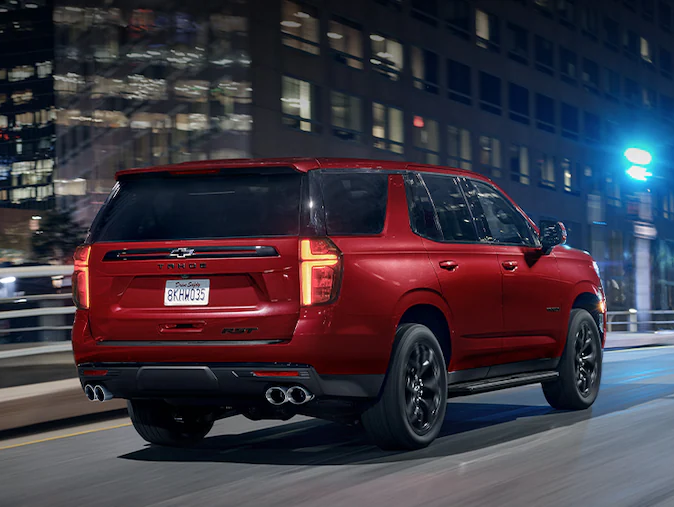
(544, 96)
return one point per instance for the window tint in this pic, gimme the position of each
(422, 215)
(451, 208)
(355, 202)
(168, 207)
(501, 221)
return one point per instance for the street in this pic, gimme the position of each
(506, 448)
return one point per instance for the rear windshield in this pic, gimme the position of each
(165, 207)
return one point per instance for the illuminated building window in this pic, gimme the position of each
(546, 170)
(107, 87)
(3, 98)
(567, 171)
(229, 93)
(490, 155)
(193, 91)
(387, 128)
(646, 51)
(387, 56)
(4, 122)
(112, 119)
(191, 122)
(668, 205)
(3, 74)
(347, 114)
(425, 70)
(24, 119)
(487, 30)
(44, 69)
(68, 84)
(426, 140)
(223, 24)
(21, 72)
(459, 148)
(299, 105)
(346, 41)
(299, 26)
(160, 121)
(519, 164)
(22, 97)
(143, 88)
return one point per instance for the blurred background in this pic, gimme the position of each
(543, 96)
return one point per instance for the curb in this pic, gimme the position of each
(48, 402)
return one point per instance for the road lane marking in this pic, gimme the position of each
(59, 437)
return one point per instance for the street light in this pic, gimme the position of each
(7, 280)
(639, 159)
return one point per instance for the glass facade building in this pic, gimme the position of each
(542, 96)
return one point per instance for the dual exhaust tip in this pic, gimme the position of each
(297, 395)
(97, 393)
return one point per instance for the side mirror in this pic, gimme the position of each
(552, 235)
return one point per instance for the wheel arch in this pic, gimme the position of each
(425, 307)
(587, 296)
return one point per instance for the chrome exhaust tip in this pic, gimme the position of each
(298, 395)
(102, 394)
(89, 391)
(276, 395)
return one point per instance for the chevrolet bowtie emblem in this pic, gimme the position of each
(181, 253)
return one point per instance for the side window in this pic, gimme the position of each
(451, 209)
(501, 221)
(355, 201)
(423, 219)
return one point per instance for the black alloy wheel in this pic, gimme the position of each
(423, 396)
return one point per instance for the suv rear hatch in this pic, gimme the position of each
(197, 256)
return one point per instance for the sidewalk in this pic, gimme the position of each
(38, 381)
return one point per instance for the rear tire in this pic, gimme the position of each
(580, 366)
(155, 422)
(411, 408)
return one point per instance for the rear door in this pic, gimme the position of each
(197, 257)
(468, 271)
(531, 280)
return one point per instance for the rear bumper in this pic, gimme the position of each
(225, 382)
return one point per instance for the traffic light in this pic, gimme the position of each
(639, 159)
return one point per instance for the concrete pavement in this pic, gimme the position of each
(33, 375)
(506, 448)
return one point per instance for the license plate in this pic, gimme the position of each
(186, 292)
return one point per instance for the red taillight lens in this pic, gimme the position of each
(81, 278)
(320, 271)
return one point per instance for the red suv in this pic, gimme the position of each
(352, 290)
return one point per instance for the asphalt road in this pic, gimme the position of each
(506, 448)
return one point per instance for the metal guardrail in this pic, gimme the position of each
(35, 317)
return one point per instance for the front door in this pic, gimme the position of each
(531, 282)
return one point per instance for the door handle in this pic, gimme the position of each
(449, 265)
(509, 265)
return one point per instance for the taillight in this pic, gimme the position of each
(320, 271)
(81, 278)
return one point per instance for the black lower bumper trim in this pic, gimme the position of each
(221, 381)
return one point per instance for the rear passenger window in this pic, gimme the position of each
(450, 206)
(355, 202)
